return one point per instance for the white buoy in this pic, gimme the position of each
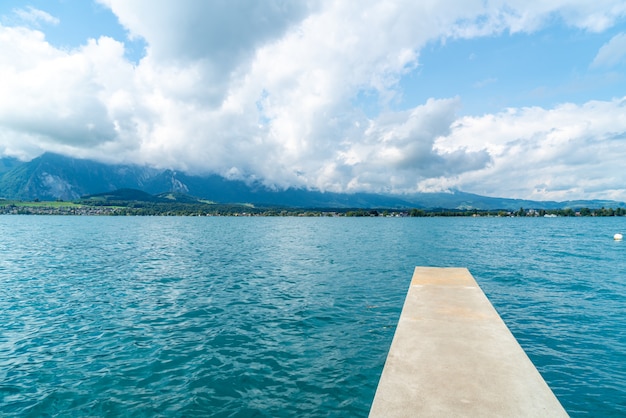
(617, 237)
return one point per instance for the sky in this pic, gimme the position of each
(519, 99)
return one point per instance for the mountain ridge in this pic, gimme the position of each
(57, 177)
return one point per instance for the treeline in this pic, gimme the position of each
(141, 208)
(568, 212)
(125, 208)
(602, 212)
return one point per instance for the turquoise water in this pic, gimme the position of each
(159, 316)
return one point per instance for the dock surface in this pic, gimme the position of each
(453, 356)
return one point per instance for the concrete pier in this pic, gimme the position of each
(453, 356)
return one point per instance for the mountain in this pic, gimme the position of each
(7, 164)
(134, 195)
(52, 177)
(125, 195)
(56, 177)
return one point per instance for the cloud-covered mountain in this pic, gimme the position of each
(52, 177)
(514, 98)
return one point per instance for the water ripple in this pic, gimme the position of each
(283, 317)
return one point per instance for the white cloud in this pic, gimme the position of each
(546, 153)
(482, 83)
(35, 16)
(214, 38)
(268, 90)
(527, 16)
(57, 99)
(612, 53)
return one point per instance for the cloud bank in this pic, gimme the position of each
(282, 92)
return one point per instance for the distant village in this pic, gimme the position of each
(73, 209)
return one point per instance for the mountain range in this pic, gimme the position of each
(57, 177)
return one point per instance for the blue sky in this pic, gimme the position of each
(503, 98)
(539, 69)
(74, 21)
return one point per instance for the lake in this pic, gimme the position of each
(227, 316)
